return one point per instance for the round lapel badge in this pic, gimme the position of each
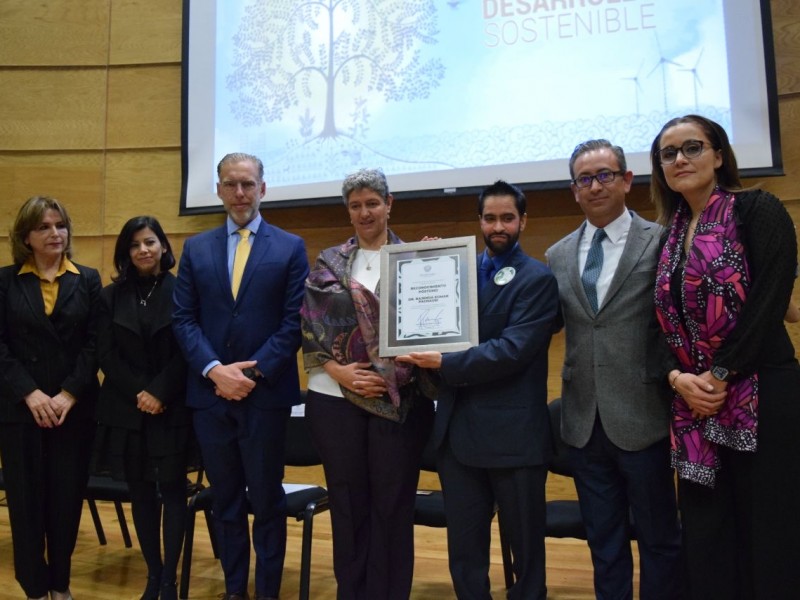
(504, 275)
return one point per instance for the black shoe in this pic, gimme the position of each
(152, 588)
(169, 591)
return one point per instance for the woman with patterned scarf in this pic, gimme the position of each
(723, 285)
(369, 416)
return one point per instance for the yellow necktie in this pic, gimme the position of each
(240, 260)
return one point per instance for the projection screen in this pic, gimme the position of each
(449, 95)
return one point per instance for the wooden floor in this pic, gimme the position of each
(116, 572)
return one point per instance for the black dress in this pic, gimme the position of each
(137, 351)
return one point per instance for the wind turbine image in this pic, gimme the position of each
(637, 86)
(695, 77)
(663, 61)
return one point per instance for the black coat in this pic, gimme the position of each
(47, 353)
(134, 359)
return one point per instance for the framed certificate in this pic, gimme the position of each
(429, 296)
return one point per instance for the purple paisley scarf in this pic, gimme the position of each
(340, 321)
(714, 285)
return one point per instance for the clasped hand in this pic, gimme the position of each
(49, 411)
(229, 381)
(704, 394)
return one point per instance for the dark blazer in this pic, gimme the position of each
(132, 361)
(262, 324)
(493, 402)
(48, 353)
(616, 360)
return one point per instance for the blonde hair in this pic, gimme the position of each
(29, 217)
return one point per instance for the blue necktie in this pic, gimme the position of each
(592, 268)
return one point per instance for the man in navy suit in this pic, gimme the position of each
(240, 336)
(492, 429)
(615, 406)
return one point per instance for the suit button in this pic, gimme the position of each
(236, 313)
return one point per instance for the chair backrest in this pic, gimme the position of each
(559, 464)
(300, 450)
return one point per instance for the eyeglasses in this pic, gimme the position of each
(247, 186)
(603, 178)
(690, 149)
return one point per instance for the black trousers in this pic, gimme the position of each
(470, 496)
(742, 537)
(45, 473)
(372, 469)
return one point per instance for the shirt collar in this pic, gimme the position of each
(66, 265)
(499, 259)
(252, 225)
(614, 230)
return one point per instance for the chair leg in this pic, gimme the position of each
(123, 524)
(505, 550)
(305, 553)
(98, 526)
(188, 543)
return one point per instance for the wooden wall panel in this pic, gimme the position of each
(54, 32)
(145, 31)
(786, 36)
(76, 178)
(787, 187)
(144, 107)
(52, 109)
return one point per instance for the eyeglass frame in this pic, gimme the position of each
(680, 149)
(596, 177)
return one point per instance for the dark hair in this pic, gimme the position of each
(665, 199)
(122, 250)
(371, 179)
(590, 145)
(30, 215)
(234, 157)
(502, 188)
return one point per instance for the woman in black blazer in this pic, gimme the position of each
(144, 430)
(48, 391)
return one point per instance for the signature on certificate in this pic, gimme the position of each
(428, 320)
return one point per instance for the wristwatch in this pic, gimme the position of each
(720, 373)
(250, 373)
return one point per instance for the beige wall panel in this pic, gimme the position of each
(145, 31)
(144, 107)
(786, 36)
(52, 109)
(54, 32)
(75, 178)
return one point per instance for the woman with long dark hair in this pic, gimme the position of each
(144, 425)
(723, 286)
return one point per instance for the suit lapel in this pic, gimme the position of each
(219, 258)
(572, 250)
(635, 246)
(32, 291)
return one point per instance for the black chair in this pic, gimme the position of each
(429, 511)
(564, 519)
(301, 505)
(104, 488)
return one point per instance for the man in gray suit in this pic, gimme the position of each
(615, 414)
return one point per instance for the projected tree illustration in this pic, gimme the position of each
(326, 61)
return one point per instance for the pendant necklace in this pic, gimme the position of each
(143, 301)
(370, 259)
